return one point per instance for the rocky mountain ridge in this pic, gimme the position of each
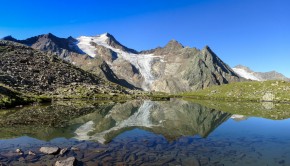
(172, 69)
(247, 73)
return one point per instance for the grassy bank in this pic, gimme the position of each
(10, 97)
(273, 91)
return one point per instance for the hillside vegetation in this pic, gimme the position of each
(9, 97)
(274, 91)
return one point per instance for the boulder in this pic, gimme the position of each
(71, 161)
(49, 150)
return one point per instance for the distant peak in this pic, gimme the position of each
(244, 68)
(70, 38)
(240, 66)
(49, 35)
(173, 44)
(207, 48)
(10, 38)
(110, 40)
(107, 34)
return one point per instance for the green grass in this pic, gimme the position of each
(275, 91)
(9, 97)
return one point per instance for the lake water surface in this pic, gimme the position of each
(176, 132)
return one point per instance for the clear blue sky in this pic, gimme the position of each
(255, 33)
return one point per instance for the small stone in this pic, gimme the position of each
(49, 150)
(74, 149)
(31, 153)
(71, 161)
(19, 151)
(63, 151)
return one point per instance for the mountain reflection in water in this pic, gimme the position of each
(104, 122)
(171, 119)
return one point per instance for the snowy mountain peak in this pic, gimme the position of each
(244, 68)
(245, 72)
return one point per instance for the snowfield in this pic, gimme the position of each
(245, 74)
(143, 62)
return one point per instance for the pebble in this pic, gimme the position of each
(31, 153)
(74, 149)
(63, 151)
(19, 151)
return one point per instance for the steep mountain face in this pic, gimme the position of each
(247, 73)
(173, 68)
(29, 70)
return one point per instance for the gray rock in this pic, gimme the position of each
(31, 153)
(49, 150)
(19, 151)
(63, 151)
(71, 161)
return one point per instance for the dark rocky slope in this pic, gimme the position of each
(28, 70)
(66, 49)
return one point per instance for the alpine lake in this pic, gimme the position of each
(175, 132)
